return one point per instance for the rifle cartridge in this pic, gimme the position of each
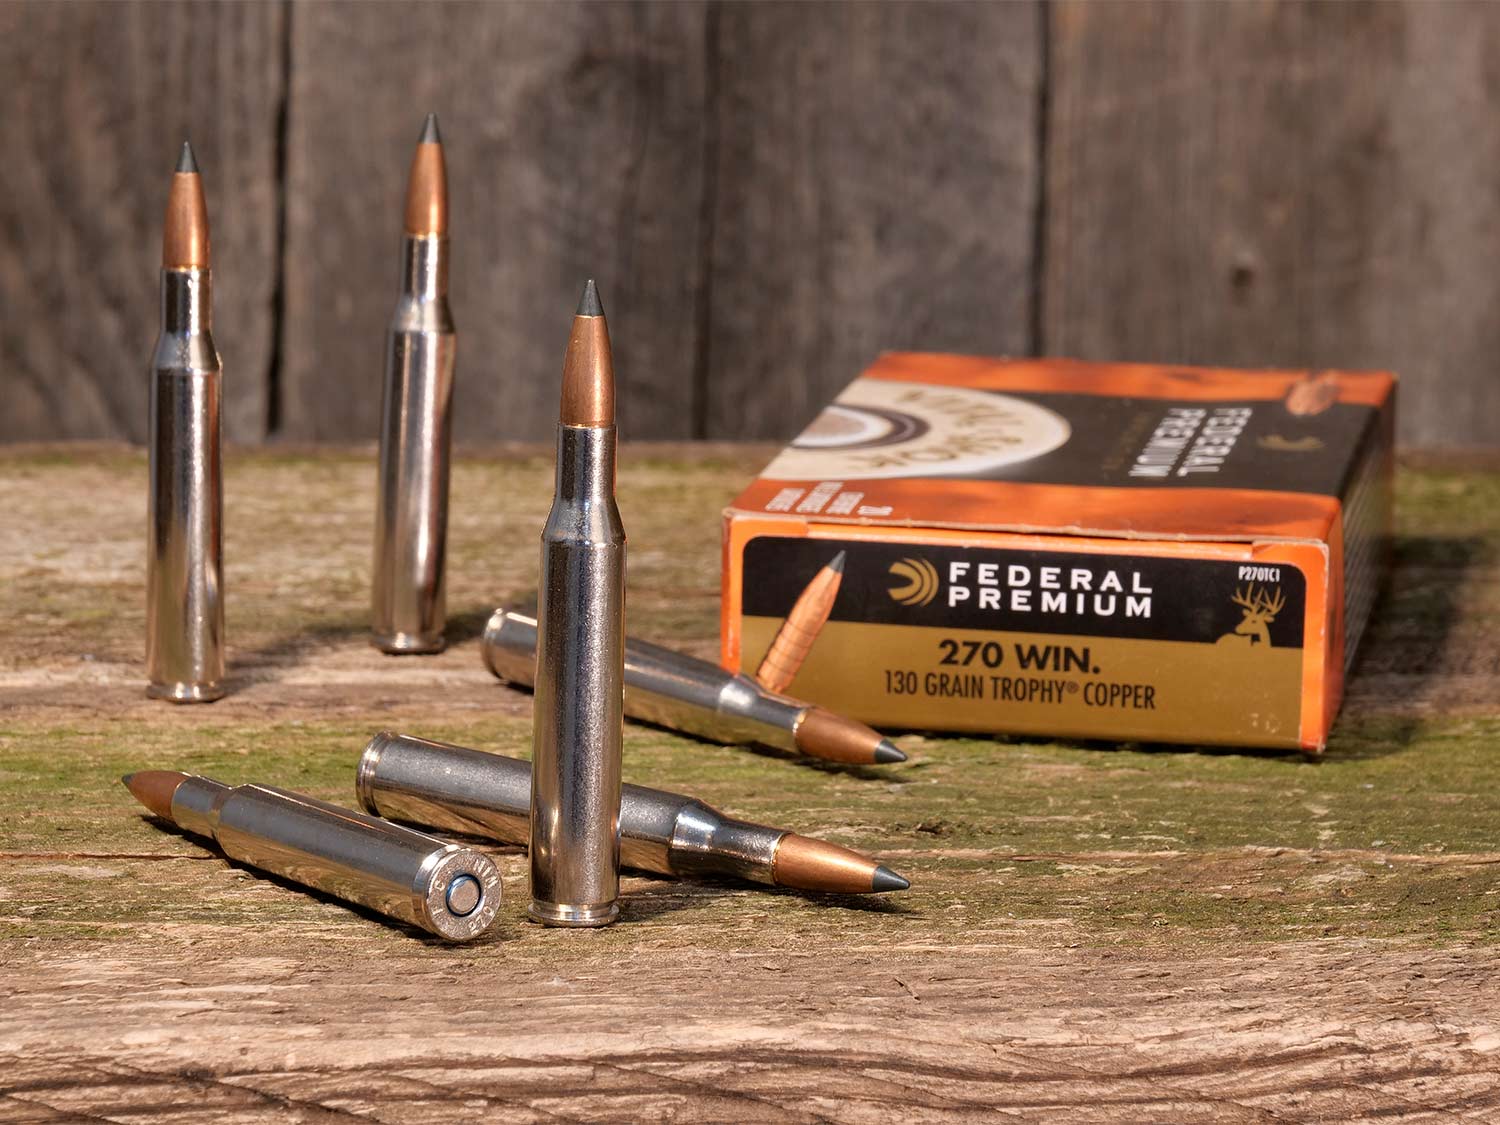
(185, 545)
(409, 591)
(580, 652)
(446, 889)
(682, 693)
(441, 786)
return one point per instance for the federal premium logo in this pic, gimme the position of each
(1082, 590)
(921, 581)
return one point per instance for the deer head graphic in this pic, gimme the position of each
(1260, 609)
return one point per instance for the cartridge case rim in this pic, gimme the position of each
(408, 644)
(491, 639)
(186, 691)
(567, 916)
(430, 897)
(365, 771)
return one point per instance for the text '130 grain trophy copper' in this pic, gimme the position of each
(580, 656)
(184, 554)
(409, 596)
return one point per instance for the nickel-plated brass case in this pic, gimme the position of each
(184, 558)
(580, 658)
(667, 688)
(450, 787)
(409, 599)
(446, 889)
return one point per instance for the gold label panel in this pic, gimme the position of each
(937, 678)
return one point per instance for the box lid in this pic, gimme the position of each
(1069, 447)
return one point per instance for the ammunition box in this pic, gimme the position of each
(1087, 550)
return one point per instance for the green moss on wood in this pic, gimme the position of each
(1393, 834)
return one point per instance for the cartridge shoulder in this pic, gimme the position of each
(416, 313)
(185, 353)
(592, 522)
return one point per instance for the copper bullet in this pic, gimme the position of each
(184, 244)
(427, 185)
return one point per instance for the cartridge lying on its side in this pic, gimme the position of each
(184, 553)
(685, 694)
(580, 652)
(450, 787)
(446, 889)
(409, 596)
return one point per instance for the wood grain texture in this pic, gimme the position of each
(874, 184)
(1093, 933)
(1281, 184)
(99, 99)
(964, 1034)
(573, 139)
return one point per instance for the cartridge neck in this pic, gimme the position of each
(196, 804)
(186, 301)
(704, 841)
(585, 463)
(424, 266)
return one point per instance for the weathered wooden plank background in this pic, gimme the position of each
(98, 97)
(769, 194)
(1282, 185)
(575, 142)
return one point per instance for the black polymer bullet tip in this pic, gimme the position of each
(186, 161)
(885, 879)
(589, 304)
(887, 752)
(430, 134)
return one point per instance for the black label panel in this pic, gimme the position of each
(1064, 592)
(1157, 443)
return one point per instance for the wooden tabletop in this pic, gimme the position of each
(1093, 933)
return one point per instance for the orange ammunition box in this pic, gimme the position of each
(1089, 550)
